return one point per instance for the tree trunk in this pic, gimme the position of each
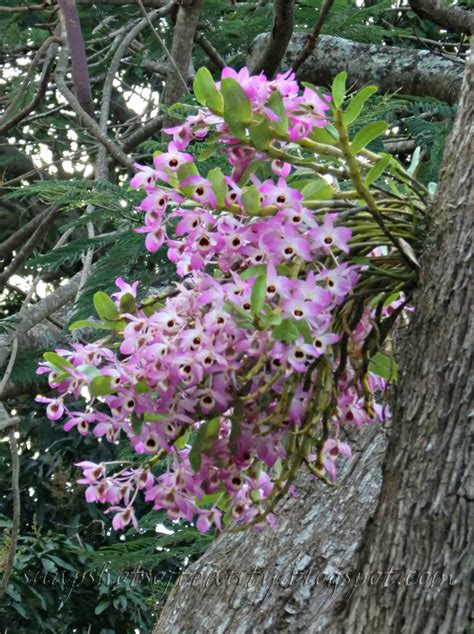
(424, 518)
(345, 560)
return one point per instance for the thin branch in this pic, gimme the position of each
(162, 43)
(42, 309)
(452, 18)
(8, 245)
(270, 58)
(27, 9)
(17, 97)
(143, 132)
(89, 123)
(313, 37)
(210, 51)
(28, 247)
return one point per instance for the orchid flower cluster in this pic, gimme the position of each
(252, 366)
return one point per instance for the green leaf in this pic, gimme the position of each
(304, 330)
(259, 292)
(261, 135)
(251, 200)
(339, 89)
(258, 269)
(286, 331)
(355, 105)
(209, 151)
(86, 323)
(89, 370)
(137, 424)
(101, 385)
(377, 169)
(219, 185)
(128, 303)
(101, 606)
(57, 361)
(141, 387)
(105, 306)
(205, 436)
(384, 366)
(237, 106)
(317, 189)
(326, 135)
(185, 170)
(206, 92)
(415, 159)
(276, 105)
(367, 134)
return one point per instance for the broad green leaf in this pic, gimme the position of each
(102, 606)
(141, 387)
(384, 366)
(207, 432)
(101, 385)
(251, 200)
(232, 308)
(128, 303)
(89, 370)
(86, 323)
(355, 105)
(276, 105)
(57, 361)
(259, 292)
(105, 306)
(339, 89)
(180, 443)
(209, 151)
(286, 331)
(258, 269)
(185, 170)
(237, 106)
(206, 92)
(304, 330)
(137, 424)
(367, 134)
(261, 135)
(238, 129)
(326, 135)
(377, 169)
(218, 185)
(317, 189)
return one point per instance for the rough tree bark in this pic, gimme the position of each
(392, 69)
(369, 541)
(424, 517)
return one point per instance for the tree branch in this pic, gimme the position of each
(41, 310)
(28, 247)
(181, 50)
(90, 124)
(392, 69)
(312, 39)
(75, 39)
(210, 51)
(452, 18)
(48, 45)
(16, 504)
(270, 57)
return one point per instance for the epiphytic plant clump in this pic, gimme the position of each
(295, 266)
